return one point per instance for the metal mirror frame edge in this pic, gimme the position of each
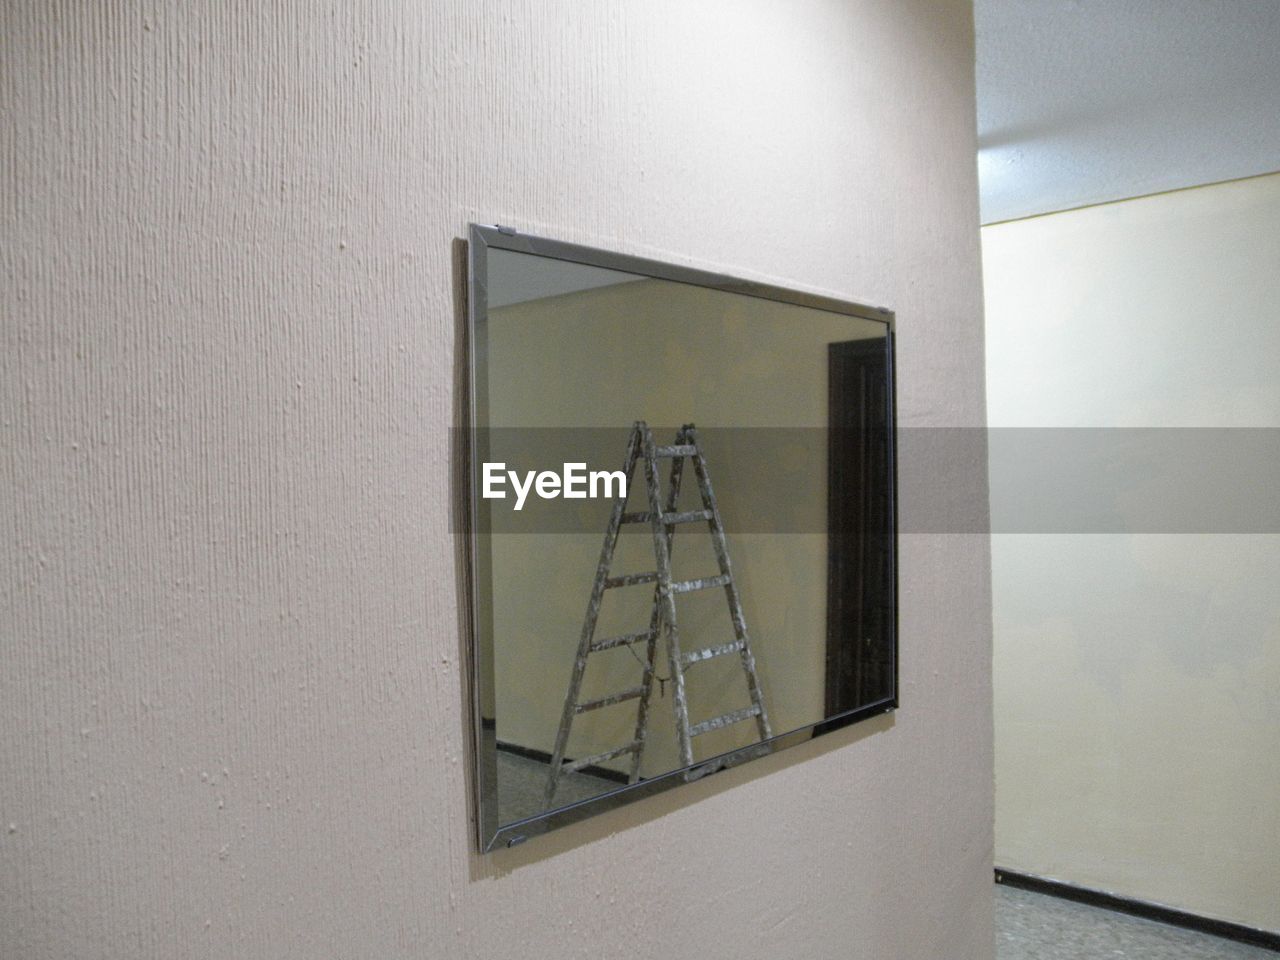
(490, 835)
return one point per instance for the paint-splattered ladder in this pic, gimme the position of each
(663, 521)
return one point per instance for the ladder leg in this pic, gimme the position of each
(655, 625)
(650, 665)
(679, 703)
(730, 587)
(589, 622)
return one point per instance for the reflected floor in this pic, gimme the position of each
(1033, 925)
(522, 781)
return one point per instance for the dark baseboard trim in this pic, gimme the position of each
(1141, 908)
(542, 756)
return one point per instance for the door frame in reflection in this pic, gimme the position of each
(475, 512)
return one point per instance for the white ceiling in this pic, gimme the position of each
(518, 277)
(1083, 101)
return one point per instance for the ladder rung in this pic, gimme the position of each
(689, 517)
(611, 699)
(608, 643)
(630, 579)
(715, 723)
(702, 583)
(710, 652)
(668, 518)
(676, 450)
(574, 765)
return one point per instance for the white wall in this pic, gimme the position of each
(1137, 721)
(231, 705)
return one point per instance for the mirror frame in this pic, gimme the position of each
(490, 834)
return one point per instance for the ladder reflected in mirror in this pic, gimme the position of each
(662, 520)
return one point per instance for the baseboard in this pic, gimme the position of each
(1140, 908)
(602, 773)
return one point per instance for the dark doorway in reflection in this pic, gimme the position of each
(860, 593)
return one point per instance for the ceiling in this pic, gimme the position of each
(1084, 101)
(518, 277)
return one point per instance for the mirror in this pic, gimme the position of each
(682, 532)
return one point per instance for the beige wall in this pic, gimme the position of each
(1137, 727)
(231, 703)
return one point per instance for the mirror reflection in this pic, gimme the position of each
(683, 503)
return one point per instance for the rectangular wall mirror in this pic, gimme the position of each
(681, 525)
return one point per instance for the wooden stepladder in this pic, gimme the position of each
(662, 521)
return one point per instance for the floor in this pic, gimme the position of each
(1032, 925)
(522, 782)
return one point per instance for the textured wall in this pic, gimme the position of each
(231, 708)
(1137, 722)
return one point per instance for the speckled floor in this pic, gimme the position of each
(521, 783)
(1032, 926)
